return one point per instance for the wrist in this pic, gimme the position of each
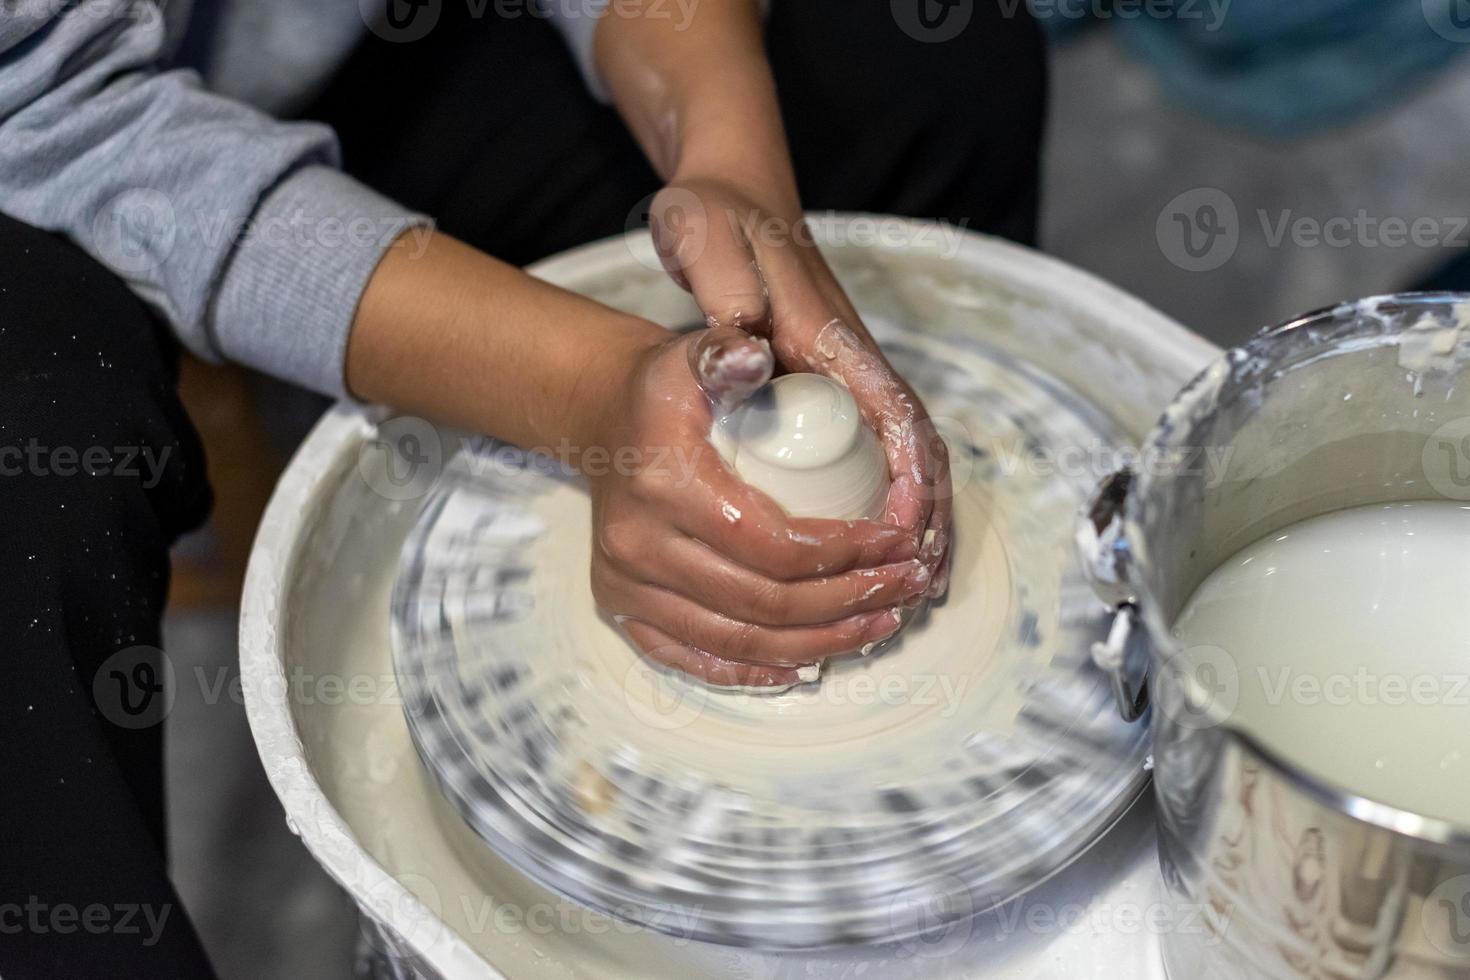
(606, 377)
(750, 154)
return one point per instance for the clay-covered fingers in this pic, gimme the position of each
(817, 330)
(691, 569)
(730, 366)
(934, 546)
(733, 639)
(939, 583)
(663, 649)
(920, 491)
(738, 521)
(893, 411)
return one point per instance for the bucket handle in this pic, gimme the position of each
(1107, 561)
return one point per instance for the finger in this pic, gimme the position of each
(691, 569)
(738, 521)
(662, 648)
(730, 366)
(713, 255)
(939, 583)
(935, 548)
(835, 349)
(935, 556)
(732, 639)
(935, 543)
(892, 410)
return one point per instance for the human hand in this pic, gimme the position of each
(704, 572)
(749, 260)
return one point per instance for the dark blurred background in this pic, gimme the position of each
(1234, 164)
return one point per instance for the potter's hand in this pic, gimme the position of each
(750, 262)
(705, 573)
(701, 101)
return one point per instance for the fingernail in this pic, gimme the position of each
(881, 625)
(917, 577)
(731, 369)
(940, 585)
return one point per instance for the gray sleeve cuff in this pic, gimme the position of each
(289, 292)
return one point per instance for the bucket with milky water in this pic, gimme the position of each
(1300, 873)
(329, 724)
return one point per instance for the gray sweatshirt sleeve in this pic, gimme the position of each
(236, 227)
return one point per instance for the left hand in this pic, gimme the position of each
(748, 258)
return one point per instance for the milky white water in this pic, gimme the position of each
(1350, 638)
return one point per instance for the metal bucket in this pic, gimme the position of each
(316, 608)
(1362, 404)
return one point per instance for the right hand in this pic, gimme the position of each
(705, 573)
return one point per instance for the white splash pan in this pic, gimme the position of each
(315, 662)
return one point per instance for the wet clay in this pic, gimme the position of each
(801, 441)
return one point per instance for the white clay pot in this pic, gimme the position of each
(801, 440)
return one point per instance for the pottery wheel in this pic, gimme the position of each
(965, 762)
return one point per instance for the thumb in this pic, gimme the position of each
(730, 365)
(707, 248)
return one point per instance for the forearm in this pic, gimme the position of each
(698, 94)
(459, 337)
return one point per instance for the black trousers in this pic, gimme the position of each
(484, 123)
